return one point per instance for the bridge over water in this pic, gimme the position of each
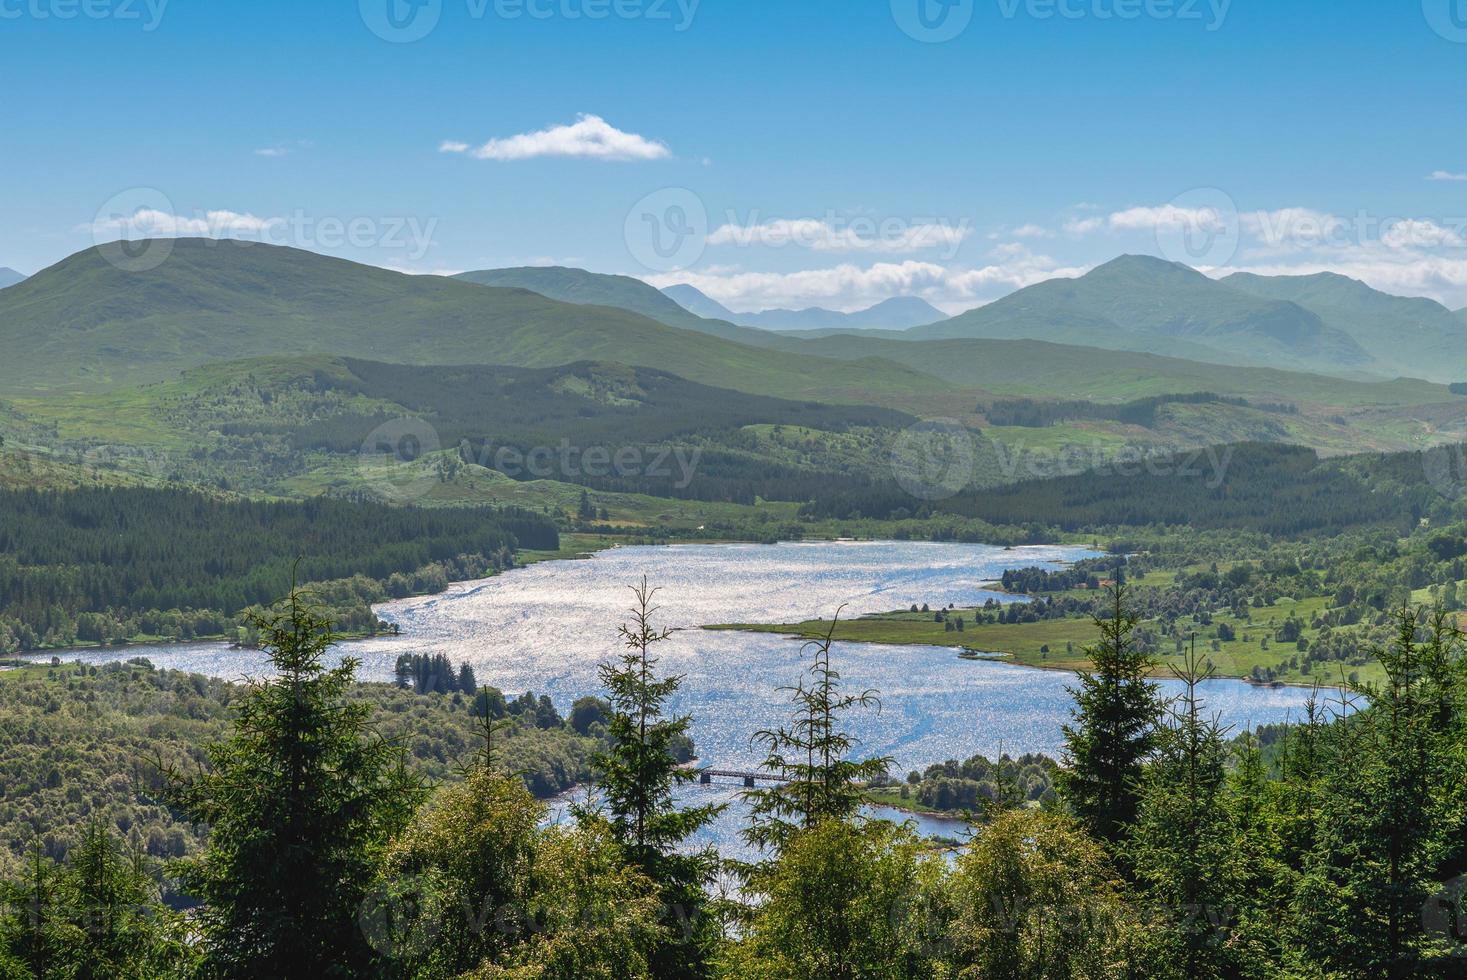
(705, 776)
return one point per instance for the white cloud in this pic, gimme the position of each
(1295, 228)
(588, 137)
(150, 221)
(1446, 175)
(1440, 278)
(850, 287)
(1031, 231)
(1166, 216)
(890, 237)
(1419, 233)
(271, 151)
(1083, 226)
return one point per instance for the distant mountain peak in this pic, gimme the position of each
(896, 313)
(9, 277)
(1149, 266)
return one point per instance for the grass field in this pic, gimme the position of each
(1060, 644)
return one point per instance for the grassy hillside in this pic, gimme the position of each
(1039, 369)
(620, 292)
(286, 425)
(1147, 304)
(1410, 336)
(86, 323)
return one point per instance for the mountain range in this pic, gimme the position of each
(898, 313)
(84, 322)
(1323, 324)
(1133, 327)
(1141, 303)
(570, 285)
(9, 277)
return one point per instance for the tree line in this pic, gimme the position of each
(107, 564)
(1168, 849)
(1030, 413)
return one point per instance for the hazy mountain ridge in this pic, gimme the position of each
(85, 322)
(571, 285)
(1405, 335)
(9, 277)
(1148, 304)
(897, 313)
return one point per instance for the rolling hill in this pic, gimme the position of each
(1147, 304)
(1409, 336)
(570, 285)
(296, 425)
(1040, 369)
(86, 323)
(897, 313)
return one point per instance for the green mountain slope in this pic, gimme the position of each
(1146, 304)
(597, 289)
(296, 425)
(694, 300)
(1409, 336)
(84, 322)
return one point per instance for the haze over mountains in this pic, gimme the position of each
(85, 322)
(897, 313)
(1324, 324)
(9, 277)
(1133, 327)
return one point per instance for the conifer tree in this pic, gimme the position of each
(1390, 798)
(300, 800)
(1181, 847)
(1114, 728)
(811, 755)
(637, 775)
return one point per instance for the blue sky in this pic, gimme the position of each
(785, 152)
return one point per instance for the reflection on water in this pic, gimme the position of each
(545, 628)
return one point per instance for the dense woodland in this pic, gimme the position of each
(610, 409)
(110, 565)
(80, 740)
(1166, 847)
(1030, 413)
(1271, 489)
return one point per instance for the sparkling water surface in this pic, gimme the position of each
(546, 628)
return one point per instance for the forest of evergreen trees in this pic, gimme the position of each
(102, 565)
(1258, 487)
(1168, 848)
(1030, 413)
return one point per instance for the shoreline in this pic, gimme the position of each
(1161, 670)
